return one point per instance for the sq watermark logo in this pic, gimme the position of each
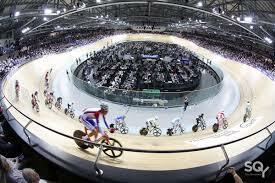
(257, 167)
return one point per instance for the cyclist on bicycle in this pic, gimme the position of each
(220, 117)
(70, 106)
(248, 110)
(176, 122)
(17, 88)
(34, 100)
(120, 119)
(151, 122)
(50, 97)
(90, 120)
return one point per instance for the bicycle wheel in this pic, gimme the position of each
(79, 134)
(169, 131)
(143, 131)
(215, 127)
(225, 124)
(124, 129)
(156, 132)
(195, 128)
(72, 115)
(112, 152)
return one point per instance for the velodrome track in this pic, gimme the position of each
(253, 86)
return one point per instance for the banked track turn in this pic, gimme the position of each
(253, 85)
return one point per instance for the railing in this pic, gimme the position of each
(141, 98)
(101, 146)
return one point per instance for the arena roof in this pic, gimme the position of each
(253, 19)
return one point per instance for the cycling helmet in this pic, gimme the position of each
(104, 107)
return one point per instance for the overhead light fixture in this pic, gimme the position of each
(251, 27)
(16, 14)
(199, 4)
(45, 18)
(98, 1)
(232, 16)
(48, 11)
(58, 12)
(74, 7)
(25, 30)
(117, 19)
(223, 12)
(64, 9)
(267, 39)
(96, 16)
(238, 18)
(248, 19)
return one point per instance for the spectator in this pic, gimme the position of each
(30, 175)
(186, 102)
(236, 177)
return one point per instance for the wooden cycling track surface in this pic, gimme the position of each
(253, 85)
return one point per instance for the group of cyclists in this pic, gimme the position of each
(90, 117)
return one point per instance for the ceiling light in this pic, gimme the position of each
(58, 12)
(25, 30)
(48, 11)
(45, 19)
(98, 1)
(248, 19)
(64, 10)
(232, 16)
(268, 40)
(251, 27)
(199, 4)
(238, 18)
(16, 14)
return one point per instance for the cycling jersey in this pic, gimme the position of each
(220, 116)
(90, 118)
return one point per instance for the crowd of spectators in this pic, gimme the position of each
(143, 65)
(34, 48)
(6, 47)
(227, 50)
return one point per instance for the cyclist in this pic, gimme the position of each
(248, 110)
(90, 120)
(34, 100)
(17, 89)
(151, 122)
(120, 120)
(59, 100)
(70, 106)
(50, 97)
(220, 117)
(176, 122)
